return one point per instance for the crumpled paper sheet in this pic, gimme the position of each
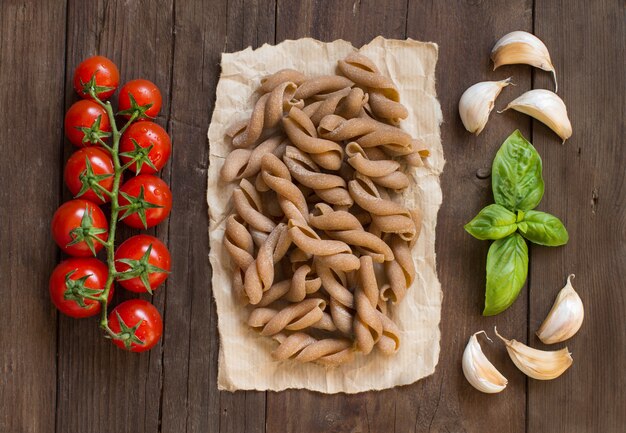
(244, 359)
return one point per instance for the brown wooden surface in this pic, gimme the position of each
(60, 375)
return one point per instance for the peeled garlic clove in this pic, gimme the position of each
(535, 363)
(546, 107)
(565, 318)
(477, 102)
(479, 372)
(522, 47)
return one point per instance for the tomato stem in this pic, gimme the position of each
(115, 209)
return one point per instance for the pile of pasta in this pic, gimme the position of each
(320, 243)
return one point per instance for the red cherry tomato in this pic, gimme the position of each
(152, 267)
(72, 279)
(151, 201)
(81, 123)
(138, 323)
(146, 134)
(107, 77)
(78, 176)
(145, 93)
(79, 222)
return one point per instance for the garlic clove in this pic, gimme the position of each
(535, 363)
(478, 371)
(546, 107)
(523, 47)
(565, 318)
(477, 102)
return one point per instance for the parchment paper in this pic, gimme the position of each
(244, 359)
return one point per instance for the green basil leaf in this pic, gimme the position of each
(516, 177)
(543, 229)
(493, 222)
(507, 268)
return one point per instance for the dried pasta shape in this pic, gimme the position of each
(259, 276)
(342, 315)
(266, 114)
(329, 187)
(344, 226)
(303, 282)
(238, 242)
(305, 238)
(270, 82)
(389, 342)
(400, 272)
(294, 317)
(290, 198)
(245, 163)
(384, 97)
(321, 86)
(383, 172)
(335, 284)
(389, 216)
(274, 293)
(303, 135)
(368, 326)
(304, 348)
(248, 205)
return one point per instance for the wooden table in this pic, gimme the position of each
(60, 375)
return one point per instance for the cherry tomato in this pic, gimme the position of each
(76, 225)
(146, 134)
(87, 167)
(72, 279)
(148, 201)
(106, 80)
(145, 261)
(144, 93)
(85, 121)
(138, 324)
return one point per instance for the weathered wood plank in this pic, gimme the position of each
(101, 388)
(466, 32)
(358, 22)
(30, 84)
(585, 187)
(191, 401)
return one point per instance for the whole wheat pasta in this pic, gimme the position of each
(249, 206)
(270, 82)
(259, 276)
(290, 198)
(266, 114)
(345, 227)
(384, 96)
(328, 187)
(383, 172)
(368, 325)
(400, 272)
(303, 135)
(294, 317)
(388, 215)
(245, 163)
(321, 85)
(319, 243)
(304, 348)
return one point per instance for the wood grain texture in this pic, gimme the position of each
(586, 187)
(101, 388)
(29, 175)
(60, 375)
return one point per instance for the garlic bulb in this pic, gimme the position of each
(479, 372)
(522, 47)
(565, 318)
(546, 107)
(477, 102)
(535, 363)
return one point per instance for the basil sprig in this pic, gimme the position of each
(518, 187)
